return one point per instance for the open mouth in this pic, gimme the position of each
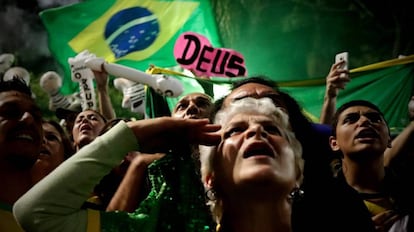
(85, 127)
(45, 152)
(258, 149)
(23, 135)
(367, 133)
(193, 116)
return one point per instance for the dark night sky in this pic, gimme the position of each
(23, 33)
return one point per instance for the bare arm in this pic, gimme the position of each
(401, 146)
(105, 104)
(54, 204)
(174, 133)
(126, 197)
(334, 82)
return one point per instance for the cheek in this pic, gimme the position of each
(204, 112)
(386, 134)
(289, 159)
(5, 124)
(55, 147)
(344, 135)
(75, 130)
(230, 148)
(58, 151)
(75, 134)
(342, 140)
(278, 143)
(228, 155)
(3, 129)
(98, 127)
(223, 171)
(178, 114)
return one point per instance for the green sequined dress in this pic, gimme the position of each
(175, 203)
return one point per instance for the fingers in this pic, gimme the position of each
(163, 133)
(338, 76)
(336, 66)
(101, 78)
(147, 159)
(207, 138)
(336, 80)
(200, 132)
(339, 85)
(384, 220)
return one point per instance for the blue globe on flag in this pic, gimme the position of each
(130, 30)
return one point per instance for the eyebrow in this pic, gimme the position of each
(203, 99)
(57, 134)
(262, 95)
(366, 113)
(89, 115)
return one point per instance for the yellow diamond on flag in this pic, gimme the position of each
(133, 30)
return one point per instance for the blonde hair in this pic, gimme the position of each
(263, 106)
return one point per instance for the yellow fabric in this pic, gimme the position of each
(7, 222)
(385, 64)
(93, 221)
(374, 208)
(158, 70)
(322, 81)
(95, 200)
(92, 38)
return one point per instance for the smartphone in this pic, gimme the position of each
(340, 57)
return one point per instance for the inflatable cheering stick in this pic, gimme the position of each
(163, 85)
(6, 61)
(51, 83)
(84, 76)
(18, 72)
(134, 94)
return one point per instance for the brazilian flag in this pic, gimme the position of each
(128, 32)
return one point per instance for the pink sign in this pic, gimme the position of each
(194, 52)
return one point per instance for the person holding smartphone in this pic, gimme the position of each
(336, 80)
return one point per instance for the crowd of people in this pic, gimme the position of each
(249, 161)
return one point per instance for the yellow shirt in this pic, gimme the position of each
(7, 221)
(94, 222)
(9, 224)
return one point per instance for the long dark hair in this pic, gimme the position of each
(67, 144)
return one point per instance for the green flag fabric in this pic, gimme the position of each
(128, 32)
(143, 33)
(388, 84)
